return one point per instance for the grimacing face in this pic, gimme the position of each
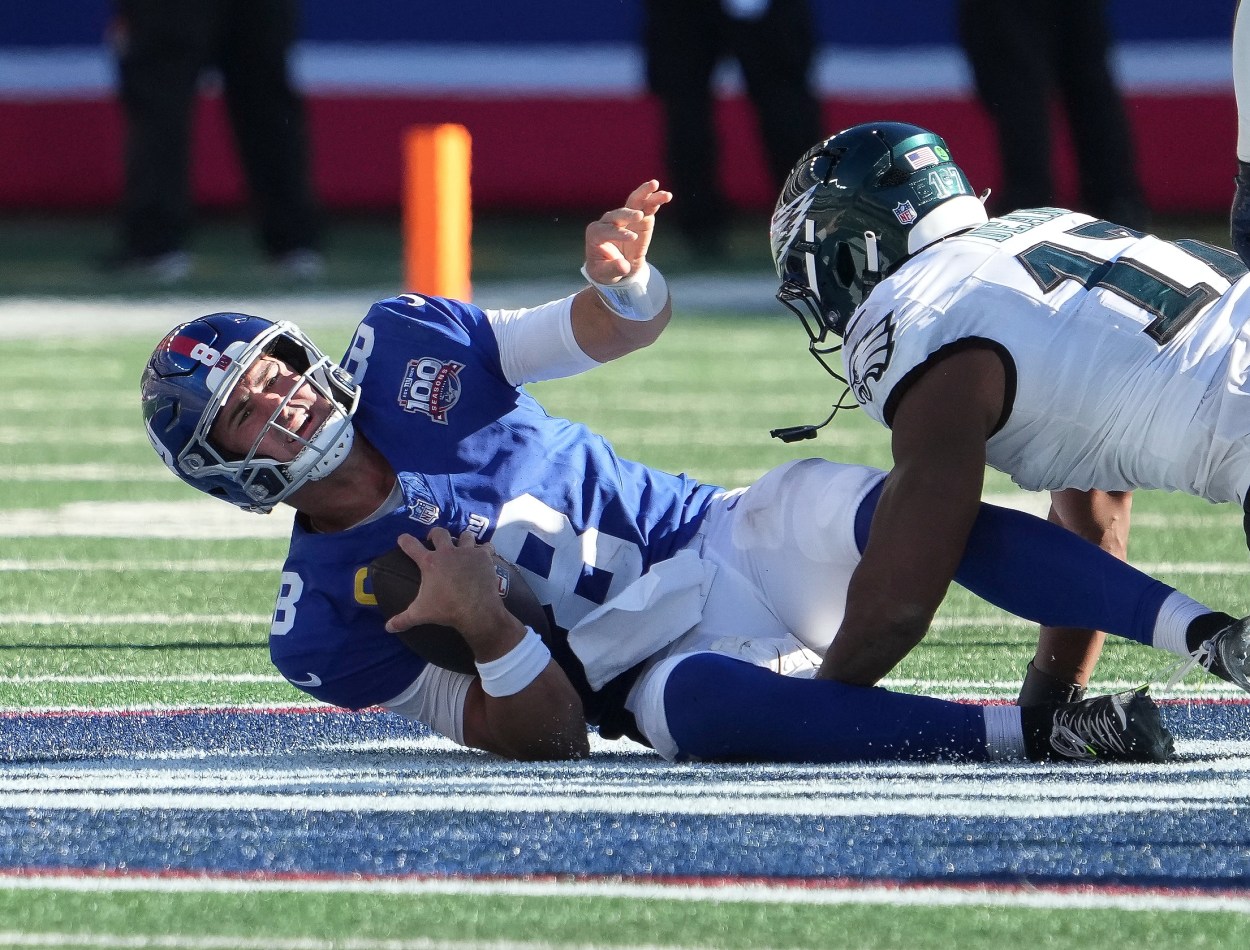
(269, 392)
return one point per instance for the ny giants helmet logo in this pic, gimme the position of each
(200, 352)
(217, 361)
(431, 386)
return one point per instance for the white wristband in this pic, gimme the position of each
(517, 668)
(639, 297)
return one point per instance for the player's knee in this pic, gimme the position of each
(676, 703)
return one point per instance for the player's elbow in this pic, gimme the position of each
(631, 337)
(901, 640)
(558, 732)
(895, 631)
(566, 738)
(543, 722)
(620, 337)
(904, 626)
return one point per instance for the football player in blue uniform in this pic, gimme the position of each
(1076, 355)
(688, 616)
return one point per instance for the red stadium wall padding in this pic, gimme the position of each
(547, 155)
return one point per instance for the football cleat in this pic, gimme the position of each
(1225, 654)
(1122, 727)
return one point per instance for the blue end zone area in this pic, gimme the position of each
(31, 737)
(311, 795)
(64, 737)
(68, 736)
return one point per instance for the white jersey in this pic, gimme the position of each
(1127, 356)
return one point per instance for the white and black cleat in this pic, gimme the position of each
(1122, 727)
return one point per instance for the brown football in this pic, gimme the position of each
(395, 579)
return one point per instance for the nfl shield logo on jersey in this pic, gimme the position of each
(905, 213)
(422, 511)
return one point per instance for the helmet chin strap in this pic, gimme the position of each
(872, 264)
(809, 256)
(871, 276)
(790, 434)
(327, 449)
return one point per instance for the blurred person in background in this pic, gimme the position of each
(1026, 53)
(1239, 216)
(773, 42)
(163, 48)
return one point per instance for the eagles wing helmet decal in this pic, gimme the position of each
(871, 358)
(784, 228)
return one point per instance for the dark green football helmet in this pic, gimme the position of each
(855, 207)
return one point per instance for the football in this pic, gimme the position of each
(395, 580)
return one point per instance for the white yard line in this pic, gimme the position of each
(132, 620)
(196, 518)
(86, 472)
(914, 790)
(328, 313)
(208, 942)
(972, 690)
(71, 680)
(51, 435)
(206, 566)
(208, 519)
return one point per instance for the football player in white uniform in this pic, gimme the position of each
(1074, 354)
(687, 614)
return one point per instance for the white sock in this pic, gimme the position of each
(1004, 732)
(1175, 616)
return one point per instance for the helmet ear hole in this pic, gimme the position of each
(825, 166)
(893, 177)
(844, 264)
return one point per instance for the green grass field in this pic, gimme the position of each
(56, 255)
(275, 921)
(177, 617)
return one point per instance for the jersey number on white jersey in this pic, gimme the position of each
(571, 571)
(1170, 302)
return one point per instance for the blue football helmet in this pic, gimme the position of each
(191, 375)
(853, 209)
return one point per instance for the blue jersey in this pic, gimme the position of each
(474, 452)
